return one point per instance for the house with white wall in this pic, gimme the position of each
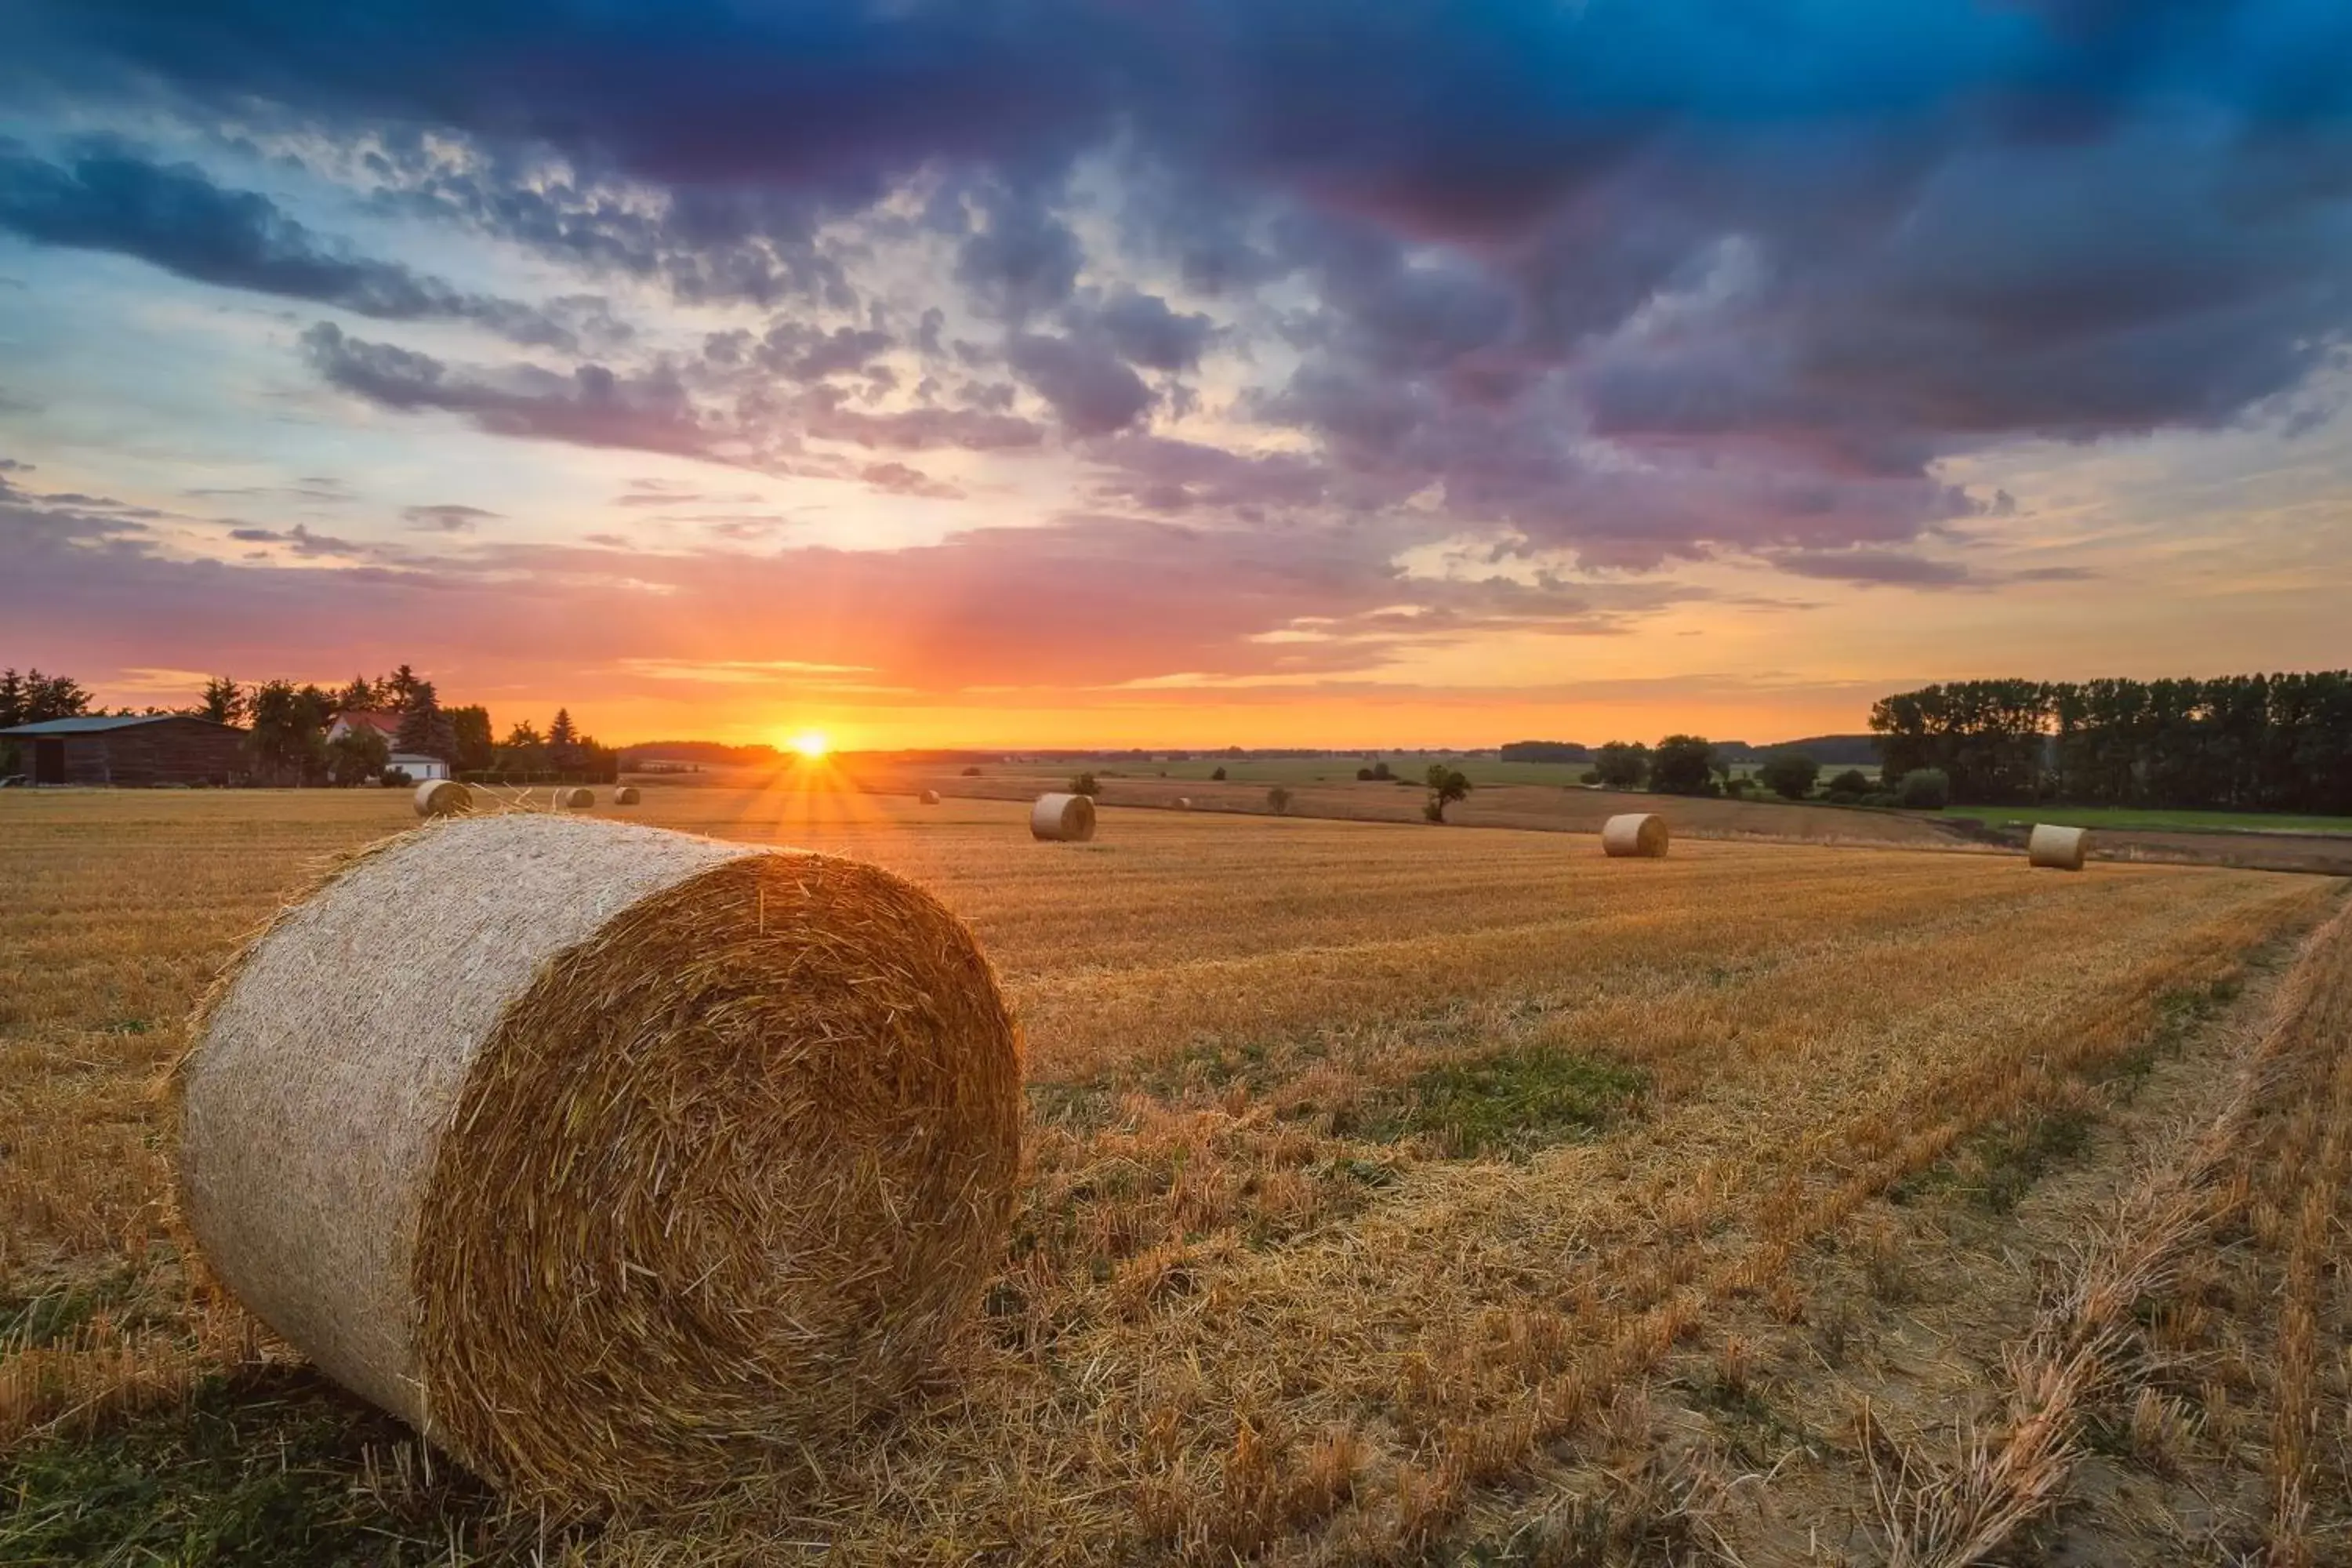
(419, 769)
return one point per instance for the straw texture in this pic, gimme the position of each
(1064, 818)
(2060, 848)
(574, 799)
(930, 797)
(626, 796)
(1634, 833)
(608, 1156)
(443, 797)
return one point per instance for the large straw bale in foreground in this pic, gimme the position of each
(443, 797)
(1066, 818)
(1634, 833)
(603, 1154)
(2060, 848)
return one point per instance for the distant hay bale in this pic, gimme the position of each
(930, 797)
(574, 799)
(443, 797)
(626, 796)
(1183, 802)
(1062, 818)
(611, 1158)
(1634, 833)
(2060, 848)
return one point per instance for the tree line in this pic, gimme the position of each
(287, 726)
(2237, 743)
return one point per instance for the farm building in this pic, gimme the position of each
(420, 770)
(132, 751)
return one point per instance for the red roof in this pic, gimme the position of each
(385, 724)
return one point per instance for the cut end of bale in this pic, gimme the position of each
(621, 1163)
(2058, 848)
(443, 797)
(626, 796)
(1639, 833)
(1062, 818)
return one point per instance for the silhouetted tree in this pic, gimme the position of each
(1683, 764)
(1621, 764)
(1446, 785)
(223, 702)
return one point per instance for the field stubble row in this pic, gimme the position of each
(1268, 1291)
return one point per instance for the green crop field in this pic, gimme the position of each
(2154, 821)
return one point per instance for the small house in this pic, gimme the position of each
(419, 770)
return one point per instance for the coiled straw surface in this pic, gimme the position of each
(626, 796)
(574, 799)
(1634, 833)
(2060, 848)
(604, 1155)
(1066, 818)
(443, 797)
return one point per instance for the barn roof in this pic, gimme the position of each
(96, 723)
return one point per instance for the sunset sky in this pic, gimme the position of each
(1147, 371)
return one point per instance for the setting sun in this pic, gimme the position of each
(809, 744)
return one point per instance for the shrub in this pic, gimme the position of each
(397, 778)
(1925, 789)
(1850, 785)
(1791, 775)
(1363, 776)
(1278, 799)
(1084, 785)
(1219, 775)
(1590, 776)
(972, 773)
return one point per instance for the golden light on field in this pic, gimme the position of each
(1411, 1163)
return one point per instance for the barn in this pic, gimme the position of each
(133, 750)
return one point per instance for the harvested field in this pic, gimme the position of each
(1388, 1195)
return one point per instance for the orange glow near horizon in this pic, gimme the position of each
(811, 743)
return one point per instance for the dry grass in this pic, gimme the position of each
(1279, 1286)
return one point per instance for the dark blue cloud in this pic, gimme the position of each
(1790, 255)
(176, 218)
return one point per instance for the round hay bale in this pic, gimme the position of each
(626, 796)
(606, 1156)
(2060, 848)
(1634, 833)
(1062, 818)
(1183, 802)
(443, 797)
(574, 799)
(930, 797)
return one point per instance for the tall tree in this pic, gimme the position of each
(470, 728)
(424, 729)
(222, 701)
(361, 696)
(399, 687)
(288, 733)
(563, 741)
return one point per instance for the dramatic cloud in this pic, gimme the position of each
(177, 219)
(1659, 288)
